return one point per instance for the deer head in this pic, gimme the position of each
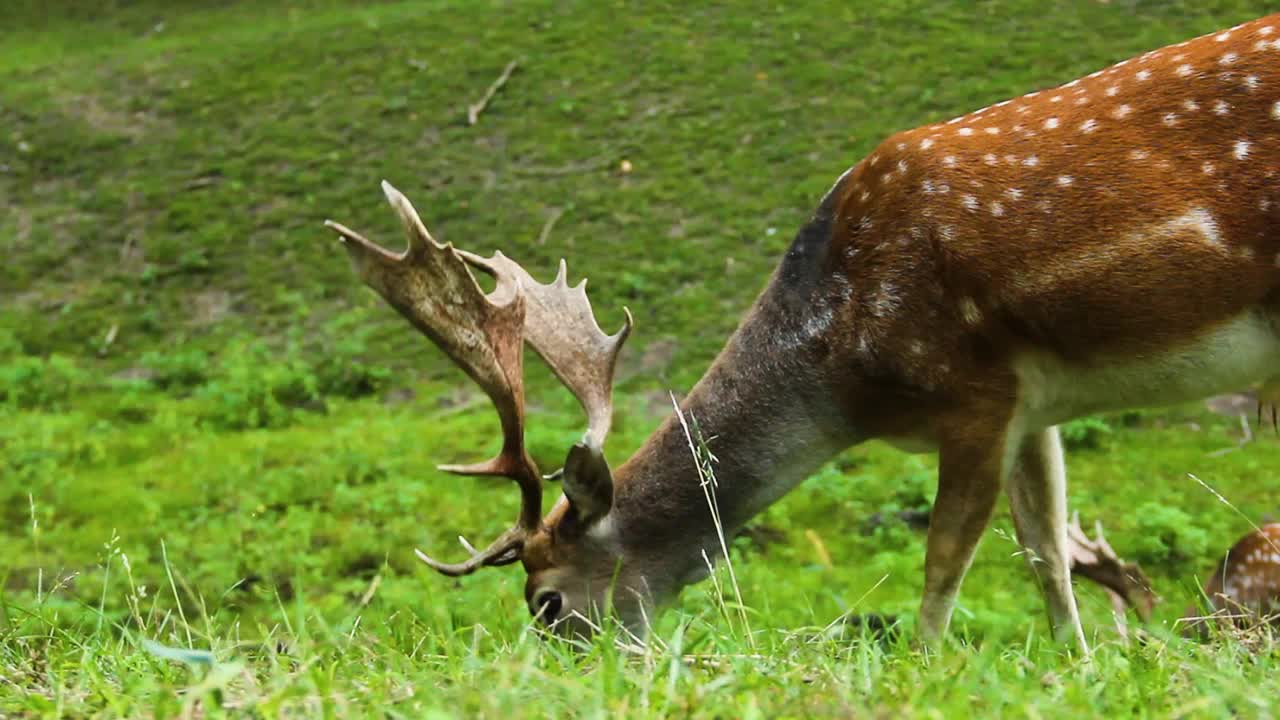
(1126, 584)
(431, 285)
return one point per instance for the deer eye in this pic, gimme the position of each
(548, 605)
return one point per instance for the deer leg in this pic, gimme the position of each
(1037, 491)
(970, 472)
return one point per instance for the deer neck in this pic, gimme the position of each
(765, 411)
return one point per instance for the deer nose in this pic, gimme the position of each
(547, 606)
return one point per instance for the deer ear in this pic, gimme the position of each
(588, 483)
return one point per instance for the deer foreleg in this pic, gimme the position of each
(969, 478)
(1037, 491)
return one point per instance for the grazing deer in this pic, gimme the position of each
(966, 287)
(1126, 585)
(1245, 588)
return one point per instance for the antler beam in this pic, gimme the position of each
(430, 284)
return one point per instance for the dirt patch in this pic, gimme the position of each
(652, 362)
(210, 306)
(98, 116)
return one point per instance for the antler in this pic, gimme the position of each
(432, 287)
(560, 325)
(1125, 582)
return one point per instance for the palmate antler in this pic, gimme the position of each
(431, 286)
(1125, 582)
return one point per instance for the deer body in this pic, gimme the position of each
(969, 285)
(1245, 587)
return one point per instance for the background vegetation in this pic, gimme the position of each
(212, 437)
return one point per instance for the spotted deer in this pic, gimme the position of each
(969, 285)
(1245, 587)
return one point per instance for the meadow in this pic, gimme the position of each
(217, 449)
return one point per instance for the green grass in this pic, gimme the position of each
(247, 465)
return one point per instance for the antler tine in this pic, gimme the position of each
(431, 286)
(1095, 559)
(503, 551)
(1100, 540)
(562, 328)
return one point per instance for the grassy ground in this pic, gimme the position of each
(210, 437)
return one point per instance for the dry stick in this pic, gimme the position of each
(556, 214)
(474, 109)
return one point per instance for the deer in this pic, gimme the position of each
(1244, 589)
(963, 289)
(1125, 583)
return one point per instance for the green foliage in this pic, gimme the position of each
(10, 346)
(1087, 433)
(1167, 535)
(178, 370)
(343, 361)
(30, 383)
(253, 387)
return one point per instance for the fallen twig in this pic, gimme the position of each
(556, 214)
(474, 109)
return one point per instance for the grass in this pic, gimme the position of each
(245, 466)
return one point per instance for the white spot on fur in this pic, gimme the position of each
(902, 166)
(1082, 100)
(1222, 37)
(1251, 82)
(1240, 150)
(970, 202)
(1207, 168)
(1112, 91)
(1170, 119)
(1031, 161)
(1121, 112)
(992, 131)
(1190, 105)
(1228, 58)
(1014, 193)
(1201, 221)
(997, 209)
(1056, 98)
(989, 159)
(1220, 107)
(1065, 180)
(1142, 75)
(1051, 123)
(926, 143)
(1275, 111)
(969, 311)
(949, 161)
(1184, 70)
(1088, 126)
(966, 131)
